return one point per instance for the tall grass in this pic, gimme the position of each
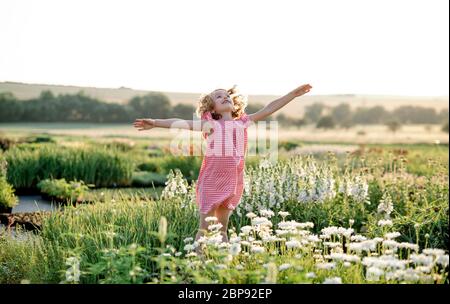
(94, 165)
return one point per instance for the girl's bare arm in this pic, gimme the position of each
(279, 103)
(195, 125)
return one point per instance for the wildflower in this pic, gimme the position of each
(211, 219)
(311, 275)
(284, 266)
(188, 247)
(392, 235)
(326, 266)
(73, 272)
(385, 206)
(271, 277)
(433, 251)
(246, 229)
(390, 244)
(442, 260)
(266, 213)
(250, 215)
(383, 223)
(410, 246)
(235, 249)
(357, 238)
(215, 227)
(257, 249)
(188, 239)
(293, 244)
(283, 214)
(261, 221)
(374, 273)
(333, 280)
(421, 259)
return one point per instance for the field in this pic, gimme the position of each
(364, 134)
(337, 207)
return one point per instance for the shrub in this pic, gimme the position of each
(61, 190)
(7, 197)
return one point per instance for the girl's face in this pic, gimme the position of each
(222, 101)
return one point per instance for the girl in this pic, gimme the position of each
(224, 123)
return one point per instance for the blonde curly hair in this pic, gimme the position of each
(206, 104)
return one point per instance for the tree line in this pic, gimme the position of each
(79, 107)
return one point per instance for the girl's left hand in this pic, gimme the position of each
(303, 89)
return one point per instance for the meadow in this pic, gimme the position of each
(359, 213)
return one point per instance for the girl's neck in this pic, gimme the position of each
(226, 116)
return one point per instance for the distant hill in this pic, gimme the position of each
(295, 108)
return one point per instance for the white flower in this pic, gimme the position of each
(311, 275)
(284, 266)
(188, 239)
(250, 215)
(383, 223)
(442, 260)
(357, 238)
(266, 213)
(188, 247)
(333, 280)
(261, 221)
(246, 229)
(283, 214)
(374, 273)
(211, 219)
(421, 259)
(326, 266)
(215, 227)
(235, 249)
(386, 206)
(257, 249)
(293, 244)
(410, 246)
(392, 235)
(191, 254)
(433, 251)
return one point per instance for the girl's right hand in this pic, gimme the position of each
(144, 123)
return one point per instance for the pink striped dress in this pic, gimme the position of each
(221, 176)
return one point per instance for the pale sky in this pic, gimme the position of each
(388, 47)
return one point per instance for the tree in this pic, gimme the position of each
(183, 111)
(11, 109)
(373, 115)
(393, 125)
(342, 114)
(156, 105)
(445, 127)
(326, 122)
(313, 112)
(443, 115)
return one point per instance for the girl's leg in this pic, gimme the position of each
(223, 215)
(203, 226)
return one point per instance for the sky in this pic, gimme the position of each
(385, 47)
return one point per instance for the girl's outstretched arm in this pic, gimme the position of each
(195, 125)
(279, 103)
